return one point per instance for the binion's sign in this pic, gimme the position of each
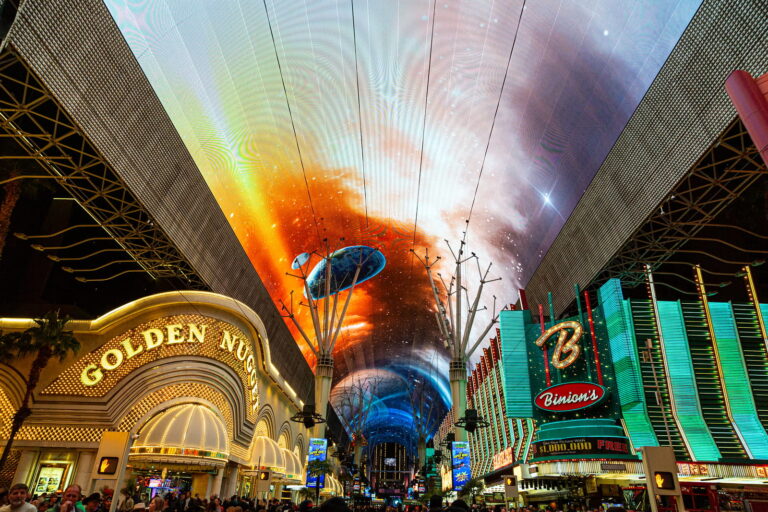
(570, 396)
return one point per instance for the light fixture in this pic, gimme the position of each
(308, 416)
(471, 421)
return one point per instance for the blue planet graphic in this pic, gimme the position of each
(343, 265)
(300, 260)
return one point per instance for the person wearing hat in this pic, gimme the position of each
(92, 502)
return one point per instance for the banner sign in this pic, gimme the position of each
(461, 469)
(570, 396)
(581, 446)
(317, 451)
(504, 458)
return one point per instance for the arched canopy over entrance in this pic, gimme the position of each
(190, 434)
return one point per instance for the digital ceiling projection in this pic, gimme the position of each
(389, 124)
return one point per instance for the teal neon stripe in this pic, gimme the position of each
(684, 393)
(519, 442)
(626, 364)
(514, 356)
(528, 439)
(736, 381)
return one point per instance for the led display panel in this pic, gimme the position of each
(462, 471)
(318, 449)
(398, 124)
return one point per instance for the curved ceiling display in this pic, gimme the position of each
(390, 124)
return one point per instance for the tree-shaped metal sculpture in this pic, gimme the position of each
(423, 411)
(323, 286)
(356, 401)
(456, 319)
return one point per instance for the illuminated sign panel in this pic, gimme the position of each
(97, 372)
(461, 468)
(581, 446)
(568, 336)
(664, 480)
(571, 396)
(107, 466)
(504, 458)
(318, 448)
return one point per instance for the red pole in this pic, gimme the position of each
(594, 338)
(544, 346)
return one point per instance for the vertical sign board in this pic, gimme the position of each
(460, 462)
(317, 451)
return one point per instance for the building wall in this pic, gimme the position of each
(71, 412)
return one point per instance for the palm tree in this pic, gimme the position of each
(471, 488)
(46, 340)
(318, 468)
(305, 493)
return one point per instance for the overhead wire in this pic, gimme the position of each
(293, 124)
(424, 124)
(493, 122)
(359, 113)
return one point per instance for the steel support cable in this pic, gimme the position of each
(493, 122)
(293, 124)
(424, 124)
(359, 113)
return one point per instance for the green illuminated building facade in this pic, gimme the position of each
(692, 374)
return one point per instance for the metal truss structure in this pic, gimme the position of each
(728, 168)
(31, 116)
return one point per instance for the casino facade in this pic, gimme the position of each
(172, 391)
(570, 403)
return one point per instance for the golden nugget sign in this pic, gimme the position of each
(170, 338)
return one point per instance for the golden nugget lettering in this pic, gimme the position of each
(172, 334)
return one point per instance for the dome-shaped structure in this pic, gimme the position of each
(332, 487)
(183, 434)
(265, 453)
(293, 466)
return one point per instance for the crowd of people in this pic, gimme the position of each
(437, 504)
(19, 499)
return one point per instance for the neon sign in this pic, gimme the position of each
(570, 396)
(142, 343)
(565, 344)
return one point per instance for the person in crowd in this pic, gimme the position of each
(17, 500)
(70, 500)
(92, 502)
(335, 505)
(139, 507)
(157, 504)
(458, 506)
(306, 506)
(435, 503)
(125, 502)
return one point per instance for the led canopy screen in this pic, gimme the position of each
(398, 124)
